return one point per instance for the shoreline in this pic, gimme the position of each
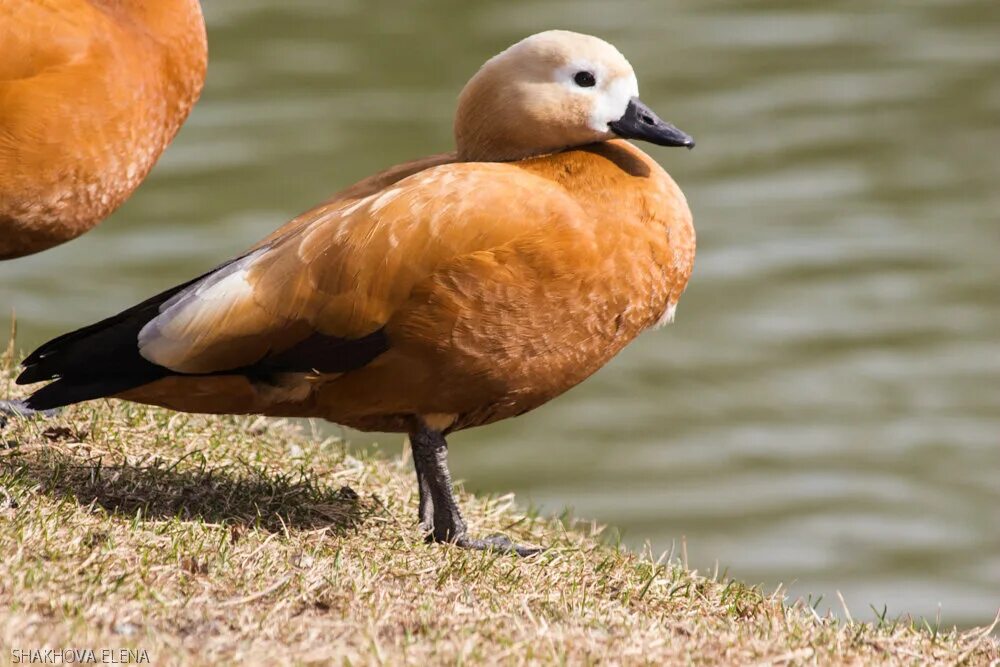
(203, 540)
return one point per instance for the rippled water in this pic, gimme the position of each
(824, 413)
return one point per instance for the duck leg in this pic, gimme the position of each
(437, 502)
(426, 512)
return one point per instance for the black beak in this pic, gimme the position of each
(639, 122)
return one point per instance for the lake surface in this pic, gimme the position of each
(823, 413)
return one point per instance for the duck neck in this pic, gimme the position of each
(492, 140)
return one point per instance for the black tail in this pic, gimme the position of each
(66, 392)
(98, 360)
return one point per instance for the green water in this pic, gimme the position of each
(824, 412)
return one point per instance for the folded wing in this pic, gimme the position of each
(317, 297)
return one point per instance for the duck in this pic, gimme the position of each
(442, 294)
(91, 93)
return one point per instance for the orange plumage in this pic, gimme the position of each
(442, 294)
(91, 92)
(499, 285)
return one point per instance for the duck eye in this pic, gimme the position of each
(584, 79)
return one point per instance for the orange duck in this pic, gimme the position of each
(442, 294)
(91, 92)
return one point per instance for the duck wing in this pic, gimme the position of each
(315, 298)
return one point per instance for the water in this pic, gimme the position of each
(824, 413)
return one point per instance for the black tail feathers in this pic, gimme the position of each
(63, 392)
(96, 361)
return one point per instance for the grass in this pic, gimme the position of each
(205, 540)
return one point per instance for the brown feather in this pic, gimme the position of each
(91, 92)
(446, 292)
(500, 286)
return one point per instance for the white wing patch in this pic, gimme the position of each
(165, 340)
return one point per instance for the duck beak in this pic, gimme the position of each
(640, 122)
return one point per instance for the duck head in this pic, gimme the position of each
(551, 91)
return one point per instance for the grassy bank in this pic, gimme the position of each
(202, 540)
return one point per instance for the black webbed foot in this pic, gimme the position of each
(439, 514)
(498, 543)
(20, 409)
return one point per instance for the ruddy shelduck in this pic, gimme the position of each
(441, 294)
(91, 92)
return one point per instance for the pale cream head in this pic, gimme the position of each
(550, 91)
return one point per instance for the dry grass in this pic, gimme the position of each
(206, 540)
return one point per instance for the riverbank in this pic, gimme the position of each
(200, 540)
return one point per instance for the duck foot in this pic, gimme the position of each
(439, 514)
(20, 409)
(498, 543)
